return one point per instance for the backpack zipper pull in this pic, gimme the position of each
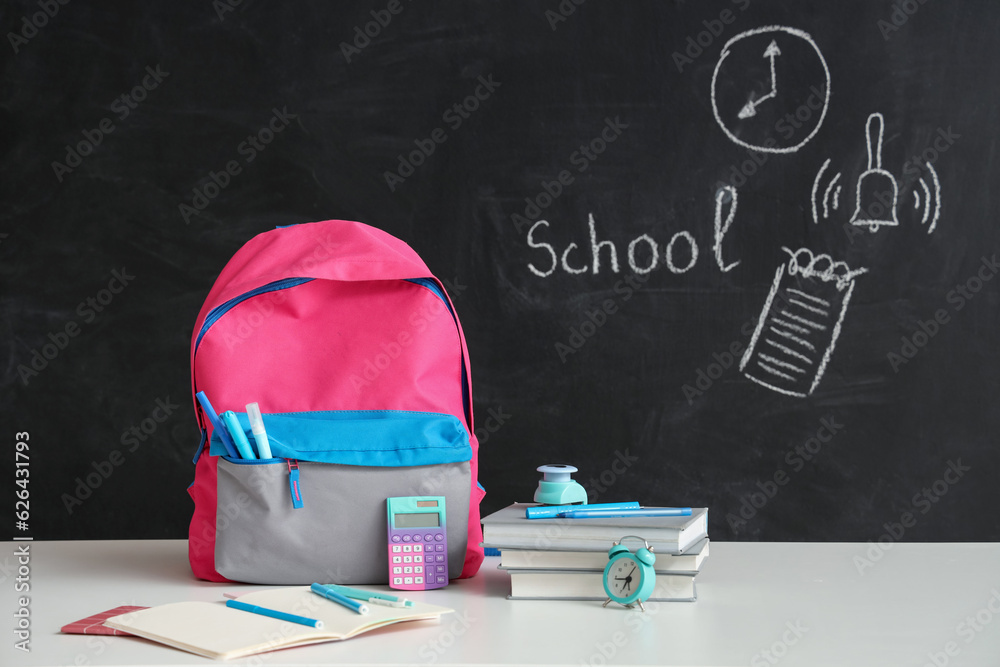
(293, 483)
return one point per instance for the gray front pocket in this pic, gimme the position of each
(339, 534)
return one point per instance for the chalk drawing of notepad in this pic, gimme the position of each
(799, 324)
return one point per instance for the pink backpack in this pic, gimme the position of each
(354, 354)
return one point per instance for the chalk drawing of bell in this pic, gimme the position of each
(877, 190)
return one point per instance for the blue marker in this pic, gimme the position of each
(217, 426)
(607, 514)
(330, 594)
(553, 511)
(274, 613)
(239, 437)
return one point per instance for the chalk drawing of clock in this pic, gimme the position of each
(771, 89)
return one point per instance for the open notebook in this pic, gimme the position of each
(215, 631)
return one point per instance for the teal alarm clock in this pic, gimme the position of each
(629, 578)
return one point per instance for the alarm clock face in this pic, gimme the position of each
(624, 578)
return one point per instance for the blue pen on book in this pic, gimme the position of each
(553, 511)
(274, 613)
(217, 425)
(239, 437)
(330, 594)
(609, 514)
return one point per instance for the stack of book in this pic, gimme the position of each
(550, 559)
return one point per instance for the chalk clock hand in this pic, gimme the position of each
(750, 109)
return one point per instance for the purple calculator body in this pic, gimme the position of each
(417, 543)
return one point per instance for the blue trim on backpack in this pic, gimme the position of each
(433, 286)
(385, 438)
(216, 313)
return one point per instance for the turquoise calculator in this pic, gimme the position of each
(418, 543)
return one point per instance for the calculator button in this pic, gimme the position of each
(440, 559)
(397, 559)
(407, 538)
(407, 580)
(397, 580)
(417, 548)
(418, 559)
(428, 537)
(395, 547)
(441, 580)
(407, 559)
(407, 548)
(418, 570)
(439, 537)
(397, 570)
(395, 538)
(418, 580)
(439, 547)
(407, 570)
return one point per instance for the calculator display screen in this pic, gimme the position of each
(418, 520)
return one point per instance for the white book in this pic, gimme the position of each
(213, 630)
(589, 585)
(510, 529)
(538, 559)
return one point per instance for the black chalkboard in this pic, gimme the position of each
(720, 156)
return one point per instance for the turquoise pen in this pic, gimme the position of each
(274, 613)
(607, 514)
(369, 596)
(553, 511)
(239, 437)
(330, 594)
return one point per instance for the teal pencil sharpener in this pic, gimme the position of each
(557, 487)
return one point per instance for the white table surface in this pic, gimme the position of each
(759, 604)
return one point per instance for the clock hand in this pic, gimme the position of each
(750, 109)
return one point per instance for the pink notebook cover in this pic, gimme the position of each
(94, 625)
